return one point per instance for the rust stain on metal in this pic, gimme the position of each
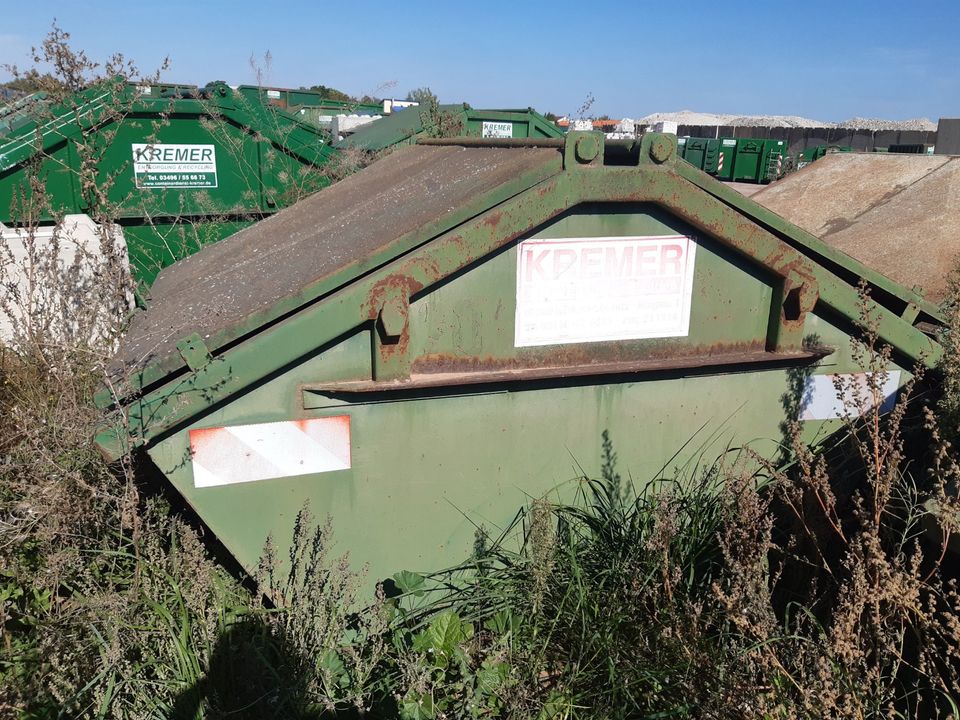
(581, 356)
(739, 232)
(493, 219)
(547, 189)
(395, 349)
(426, 267)
(459, 246)
(456, 241)
(390, 287)
(444, 376)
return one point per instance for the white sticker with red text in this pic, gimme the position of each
(575, 290)
(264, 451)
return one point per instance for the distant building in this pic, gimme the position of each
(6, 94)
(613, 129)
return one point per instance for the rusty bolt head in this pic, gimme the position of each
(588, 147)
(661, 149)
(393, 318)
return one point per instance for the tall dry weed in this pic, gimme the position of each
(107, 605)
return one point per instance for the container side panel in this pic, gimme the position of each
(468, 323)
(426, 471)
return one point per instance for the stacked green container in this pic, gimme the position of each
(307, 103)
(726, 152)
(461, 120)
(695, 151)
(175, 166)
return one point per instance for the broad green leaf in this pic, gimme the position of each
(502, 623)
(409, 582)
(492, 677)
(331, 664)
(447, 631)
(417, 706)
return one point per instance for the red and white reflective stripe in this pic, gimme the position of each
(720, 164)
(263, 451)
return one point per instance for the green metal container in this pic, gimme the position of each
(17, 112)
(176, 166)
(910, 148)
(711, 157)
(818, 151)
(695, 152)
(749, 160)
(450, 120)
(745, 159)
(726, 154)
(427, 344)
(307, 103)
(812, 154)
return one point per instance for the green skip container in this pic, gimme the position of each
(176, 166)
(420, 348)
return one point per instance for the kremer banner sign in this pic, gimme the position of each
(576, 290)
(174, 166)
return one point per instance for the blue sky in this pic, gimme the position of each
(820, 59)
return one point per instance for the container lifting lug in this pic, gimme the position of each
(194, 352)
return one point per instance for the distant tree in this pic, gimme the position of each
(73, 69)
(422, 95)
(30, 81)
(330, 93)
(370, 100)
(552, 117)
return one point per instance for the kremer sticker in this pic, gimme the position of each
(576, 290)
(497, 130)
(175, 166)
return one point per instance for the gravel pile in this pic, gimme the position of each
(689, 117)
(881, 124)
(775, 121)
